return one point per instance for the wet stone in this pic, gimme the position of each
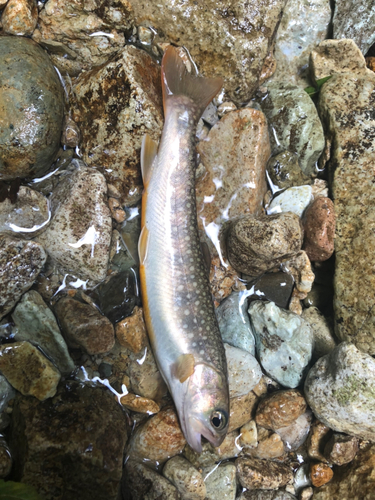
(299, 266)
(319, 226)
(324, 340)
(254, 473)
(280, 409)
(318, 438)
(266, 495)
(220, 482)
(241, 410)
(71, 134)
(119, 255)
(229, 448)
(269, 445)
(295, 434)
(294, 199)
(28, 371)
(30, 126)
(131, 331)
(341, 449)
(6, 393)
(139, 404)
(249, 435)
(226, 107)
(223, 280)
(20, 17)
(6, 460)
(35, 323)
(244, 371)
(187, 479)
(84, 326)
(320, 474)
(274, 287)
(285, 172)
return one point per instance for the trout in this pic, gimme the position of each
(178, 307)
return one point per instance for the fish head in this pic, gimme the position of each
(205, 410)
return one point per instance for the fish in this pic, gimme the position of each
(177, 302)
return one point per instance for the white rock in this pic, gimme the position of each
(294, 199)
(244, 371)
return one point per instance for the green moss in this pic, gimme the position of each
(354, 386)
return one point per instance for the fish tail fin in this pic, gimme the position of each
(176, 80)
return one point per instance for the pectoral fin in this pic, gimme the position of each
(184, 367)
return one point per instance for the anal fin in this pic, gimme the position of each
(149, 150)
(143, 245)
(184, 367)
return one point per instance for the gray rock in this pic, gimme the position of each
(285, 172)
(35, 322)
(20, 263)
(284, 342)
(79, 235)
(294, 199)
(234, 322)
(244, 371)
(187, 479)
(295, 434)
(324, 341)
(294, 124)
(220, 481)
(266, 495)
(274, 287)
(31, 126)
(6, 393)
(254, 473)
(340, 390)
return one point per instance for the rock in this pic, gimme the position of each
(225, 108)
(283, 340)
(294, 124)
(320, 474)
(131, 331)
(257, 244)
(79, 235)
(346, 103)
(20, 17)
(318, 438)
(274, 287)
(223, 280)
(139, 404)
(116, 209)
(297, 35)
(119, 255)
(244, 371)
(354, 481)
(239, 138)
(294, 199)
(241, 410)
(71, 445)
(319, 226)
(20, 263)
(254, 473)
(295, 434)
(220, 482)
(249, 435)
(143, 482)
(35, 323)
(30, 127)
(71, 134)
(285, 172)
(341, 449)
(28, 371)
(320, 297)
(319, 188)
(234, 40)
(229, 448)
(187, 479)
(370, 63)
(280, 409)
(306, 493)
(270, 445)
(6, 393)
(324, 341)
(6, 460)
(158, 438)
(117, 103)
(299, 266)
(266, 495)
(84, 326)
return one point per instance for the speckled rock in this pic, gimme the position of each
(284, 342)
(30, 127)
(257, 244)
(187, 479)
(294, 123)
(285, 172)
(346, 103)
(280, 409)
(229, 448)
(341, 449)
(339, 388)
(324, 341)
(83, 326)
(28, 371)
(35, 322)
(241, 410)
(254, 473)
(266, 495)
(223, 192)
(72, 445)
(220, 482)
(20, 17)
(79, 235)
(294, 199)
(139, 404)
(319, 226)
(234, 39)
(116, 104)
(131, 331)
(297, 35)
(320, 474)
(20, 264)
(71, 134)
(223, 280)
(244, 371)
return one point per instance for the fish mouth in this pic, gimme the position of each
(195, 430)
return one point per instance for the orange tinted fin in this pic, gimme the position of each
(176, 80)
(143, 245)
(184, 367)
(149, 150)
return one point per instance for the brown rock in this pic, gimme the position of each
(249, 435)
(116, 209)
(71, 134)
(280, 409)
(370, 63)
(341, 449)
(318, 437)
(28, 371)
(239, 144)
(306, 493)
(131, 331)
(299, 266)
(20, 17)
(254, 473)
(139, 404)
(320, 474)
(84, 326)
(241, 410)
(269, 446)
(319, 225)
(257, 244)
(223, 280)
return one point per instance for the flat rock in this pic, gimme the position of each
(346, 103)
(339, 388)
(285, 172)
(319, 225)
(254, 473)
(71, 445)
(20, 263)
(30, 126)
(79, 235)
(244, 371)
(35, 323)
(221, 482)
(284, 342)
(274, 287)
(20, 17)
(28, 371)
(116, 104)
(280, 409)
(294, 199)
(187, 479)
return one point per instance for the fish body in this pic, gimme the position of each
(178, 307)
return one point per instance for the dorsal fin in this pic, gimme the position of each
(149, 150)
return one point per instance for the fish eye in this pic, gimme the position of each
(219, 419)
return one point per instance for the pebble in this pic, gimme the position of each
(79, 235)
(28, 371)
(320, 474)
(270, 445)
(143, 482)
(117, 212)
(284, 342)
(295, 434)
(26, 149)
(71, 134)
(318, 438)
(280, 409)
(274, 287)
(20, 263)
(249, 435)
(254, 473)
(266, 495)
(220, 481)
(294, 199)
(20, 17)
(299, 266)
(131, 331)
(285, 172)
(241, 410)
(340, 390)
(34, 322)
(187, 479)
(320, 188)
(258, 244)
(324, 340)
(118, 295)
(244, 371)
(83, 326)
(223, 281)
(341, 449)
(319, 226)
(226, 107)
(210, 115)
(139, 404)
(6, 393)
(229, 448)
(306, 493)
